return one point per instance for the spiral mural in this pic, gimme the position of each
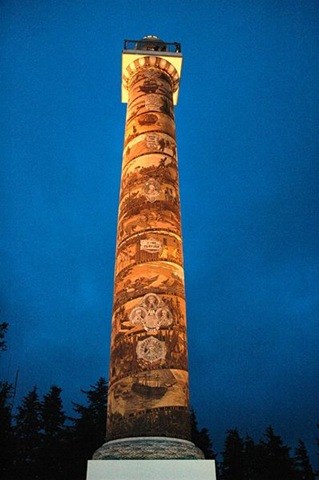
(148, 391)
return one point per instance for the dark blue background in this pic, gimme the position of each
(247, 125)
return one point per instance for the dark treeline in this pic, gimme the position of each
(269, 459)
(40, 442)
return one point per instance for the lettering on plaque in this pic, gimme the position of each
(150, 245)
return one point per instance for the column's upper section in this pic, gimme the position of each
(151, 52)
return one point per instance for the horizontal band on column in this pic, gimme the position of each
(145, 63)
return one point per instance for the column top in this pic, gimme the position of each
(137, 54)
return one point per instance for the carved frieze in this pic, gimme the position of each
(148, 391)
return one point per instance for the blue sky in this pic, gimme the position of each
(247, 127)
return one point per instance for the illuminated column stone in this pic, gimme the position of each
(148, 401)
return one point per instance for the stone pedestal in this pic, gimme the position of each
(151, 470)
(148, 448)
(150, 458)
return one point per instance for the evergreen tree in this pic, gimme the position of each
(3, 331)
(201, 438)
(52, 414)
(251, 464)
(233, 464)
(27, 437)
(89, 428)
(303, 466)
(6, 434)
(53, 452)
(91, 422)
(275, 461)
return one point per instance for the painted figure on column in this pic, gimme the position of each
(148, 389)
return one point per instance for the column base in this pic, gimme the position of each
(148, 448)
(151, 470)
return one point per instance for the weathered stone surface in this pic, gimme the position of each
(148, 448)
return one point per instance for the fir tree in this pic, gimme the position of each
(28, 437)
(233, 464)
(6, 433)
(52, 414)
(251, 454)
(3, 331)
(53, 452)
(92, 417)
(303, 466)
(201, 438)
(275, 461)
(89, 428)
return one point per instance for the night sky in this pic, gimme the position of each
(247, 128)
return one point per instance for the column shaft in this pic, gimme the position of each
(148, 392)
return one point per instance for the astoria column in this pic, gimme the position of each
(148, 398)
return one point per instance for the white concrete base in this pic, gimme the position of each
(151, 470)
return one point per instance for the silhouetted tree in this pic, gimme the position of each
(53, 452)
(6, 434)
(52, 414)
(275, 461)
(251, 462)
(3, 331)
(41, 446)
(201, 438)
(89, 428)
(28, 437)
(233, 463)
(303, 466)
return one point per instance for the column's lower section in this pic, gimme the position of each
(151, 470)
(148, 448)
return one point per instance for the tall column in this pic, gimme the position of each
(148, 401)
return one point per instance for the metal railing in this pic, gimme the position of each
(152, 45)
